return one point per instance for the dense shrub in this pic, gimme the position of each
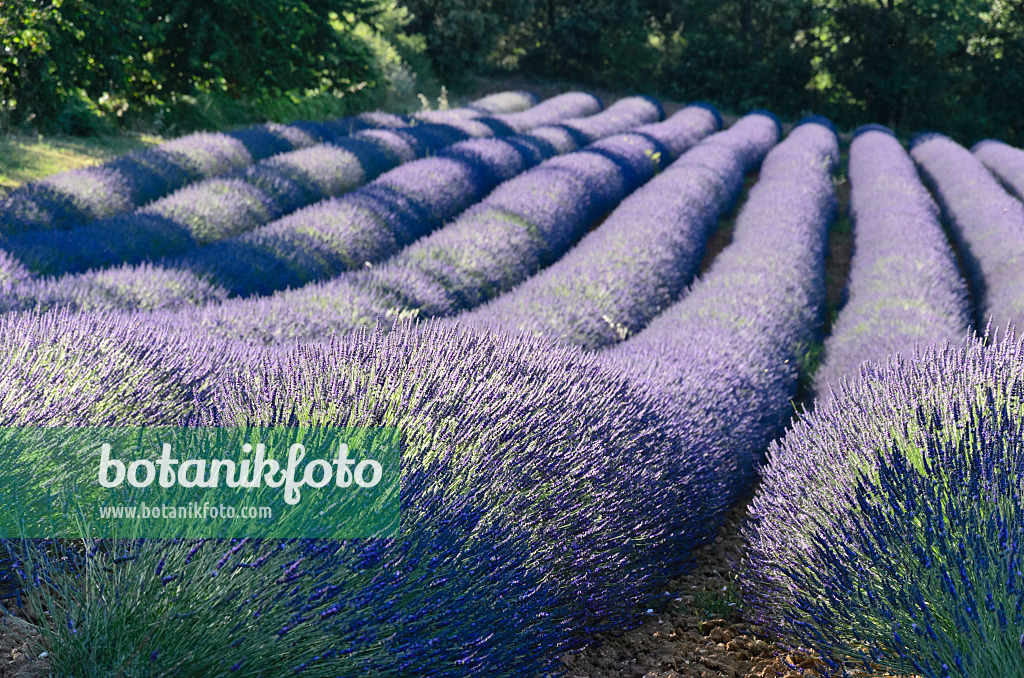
(888, 526)
(1004, 161)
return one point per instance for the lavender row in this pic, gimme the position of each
(986, 222)
(64, 200)
(401, 206)
(132, 180)
(221, 207)
(904, 287)
(409, 200)
(1004, 161)
(644, 254)
(728, 355)
(525, 224)
(483, 560)
(502, 103)
(889, 525)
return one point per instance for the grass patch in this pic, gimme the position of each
(27, 157)
(716, 603)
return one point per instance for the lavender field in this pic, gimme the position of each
(587, 389)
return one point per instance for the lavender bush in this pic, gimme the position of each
(69, 198)
(221, 207)
(543, 575)
(904, 287)
(492, 573)
(12, 274)
(78, 196)
(145, 287)
(501, 103)
(402, 205)
(728, 355)
(1004, 161)
(96, 369)
(888, 527)
(644, 254)
(986, 222)
(524, 224)
(410, 199)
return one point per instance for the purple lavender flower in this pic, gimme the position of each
(889, 523)
(525, 223)
(728, 355)
(487, 530)
(1004, 161)
(63, 369)
(12, 273)
(146, 287)
(986, 222)
(904, 287)
(644, 254)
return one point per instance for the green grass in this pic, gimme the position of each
(716, 604)
(27, 157)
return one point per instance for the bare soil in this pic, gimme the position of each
(703, 634)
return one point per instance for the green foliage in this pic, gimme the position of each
(85, 67)
(459, 33)
(911, 64)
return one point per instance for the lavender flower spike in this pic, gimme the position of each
(986, 222)
(904, 287)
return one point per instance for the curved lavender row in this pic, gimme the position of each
(143, 287)
(644, 254)
(889, 524)
(372, 223)
(521, 451)
(986, 222)
(521, 536)
(1004, 161)
(728, 354)
(221, 207)
(410, 200)
(525, 223)
(78, 196)
(904, 287)
(581, 104)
